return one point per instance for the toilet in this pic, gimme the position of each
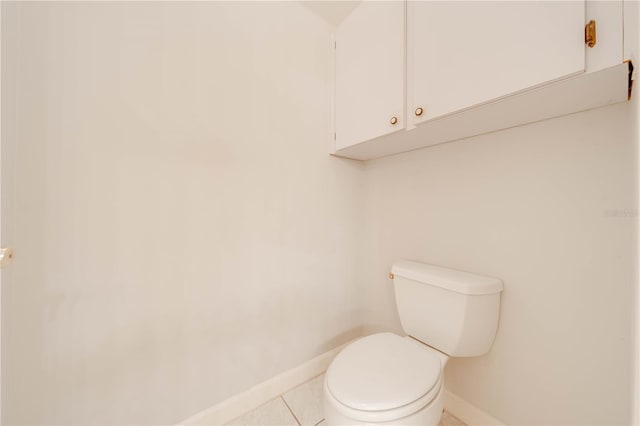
(388, 379)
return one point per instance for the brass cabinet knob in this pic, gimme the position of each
(393, 121)
(419, 111)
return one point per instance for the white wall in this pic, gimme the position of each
(180, 232)
(632, 51)
(550, 208)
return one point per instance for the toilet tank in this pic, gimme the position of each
(455, 312)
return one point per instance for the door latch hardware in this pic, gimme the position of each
(6, 254)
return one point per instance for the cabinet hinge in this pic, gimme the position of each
(334, 136)
(590, 33)
(335, 45)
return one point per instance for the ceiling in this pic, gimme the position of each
(332, 11)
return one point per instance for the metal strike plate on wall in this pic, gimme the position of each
(6, 255)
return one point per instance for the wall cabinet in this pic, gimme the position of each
(369, 73)
(467, 66)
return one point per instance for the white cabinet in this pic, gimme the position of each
(466, 53)
(471, 67)
(369, 73)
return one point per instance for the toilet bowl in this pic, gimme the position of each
(388, 379)
(385, 379)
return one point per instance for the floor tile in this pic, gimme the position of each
(448, 419)
(273, 413)
(305, 401)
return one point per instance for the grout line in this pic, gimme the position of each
(291, 411)
(251, 410)
(319, 422)
(303, 383)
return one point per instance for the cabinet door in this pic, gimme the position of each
(369, 72)
(463, 53)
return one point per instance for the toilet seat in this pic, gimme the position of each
(383, 377)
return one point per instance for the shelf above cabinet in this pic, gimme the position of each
(579, 93)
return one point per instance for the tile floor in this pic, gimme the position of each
(302, 406)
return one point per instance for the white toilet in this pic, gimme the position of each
(387, 379)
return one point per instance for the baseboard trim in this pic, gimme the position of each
(261, 393)
(468, 413)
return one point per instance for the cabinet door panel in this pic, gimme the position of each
(369, 77)
(463, 53)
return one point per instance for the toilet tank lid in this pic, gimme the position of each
(449, 279)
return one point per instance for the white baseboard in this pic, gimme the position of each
(256, 396)
(469, 414)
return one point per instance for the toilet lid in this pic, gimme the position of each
(382, 372)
